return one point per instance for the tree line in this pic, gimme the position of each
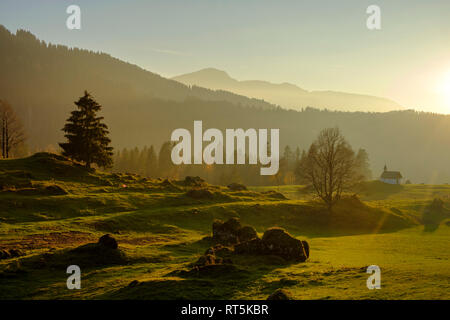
(330, 165)
(153, 163)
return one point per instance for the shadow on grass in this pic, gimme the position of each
(377, 190)
(434, 226)
(217, 281)
(29, 276)
(312, 219)
(435, 213)
(430, 227)
(212, 282)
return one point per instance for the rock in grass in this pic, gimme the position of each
(232, 232)
(215, 255)
(280, 243)
(55, 190)
(275, 242)
(207, 260)
(219, 250)
(226, 232)
(252, 247)
(94, 254)
(168, 185)
(237, 187)
(280, 294)
(194, 181)
(247, 233)
(306, 248)
(200, 193)
(102, 253)
(108, 241)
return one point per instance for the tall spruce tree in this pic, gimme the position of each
(87, 135)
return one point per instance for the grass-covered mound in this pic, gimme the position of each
(45, 166)
(48, 187)
(53, 211)
(86, 256)
(377, 190)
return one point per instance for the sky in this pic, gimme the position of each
(315, 44)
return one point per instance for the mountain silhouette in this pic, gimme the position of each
(41, 82)
(287, 95)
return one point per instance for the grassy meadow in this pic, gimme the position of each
(50, 206)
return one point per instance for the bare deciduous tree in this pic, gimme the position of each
(11, 129)
(329, 166)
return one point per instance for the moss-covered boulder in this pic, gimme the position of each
(55, 190)
(231, 232)
(201, 193)
(194, 181)
(208, 259)
(236, 187)
(247, 233)
(252, 247)
(226, 232)
(280, 243)
(108, 241)
(280, 294)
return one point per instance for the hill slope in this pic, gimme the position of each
(39, 178)
(287, 95)
(160, 231)
(41, 81)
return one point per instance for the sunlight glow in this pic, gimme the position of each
(444, 90)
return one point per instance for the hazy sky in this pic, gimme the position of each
(316, 44)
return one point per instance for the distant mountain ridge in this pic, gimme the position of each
(287, 95)
(41, 81)
(97, 70)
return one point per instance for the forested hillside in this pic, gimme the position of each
(53, 76)
(41, 81)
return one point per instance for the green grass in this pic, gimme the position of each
(160, 232)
